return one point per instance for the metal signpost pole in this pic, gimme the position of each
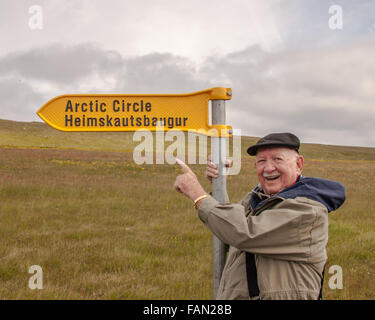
(219, 189)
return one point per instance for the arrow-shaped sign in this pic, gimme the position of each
(111, 112)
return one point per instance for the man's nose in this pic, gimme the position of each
(269, 166)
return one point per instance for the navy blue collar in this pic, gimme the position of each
(329, 193)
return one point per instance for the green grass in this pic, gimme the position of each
(102, 227)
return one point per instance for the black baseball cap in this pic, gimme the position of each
(285, 139)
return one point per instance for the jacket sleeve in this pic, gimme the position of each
(285, 231)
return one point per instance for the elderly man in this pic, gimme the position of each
(278, 232)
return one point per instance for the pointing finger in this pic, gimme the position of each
(183, 165)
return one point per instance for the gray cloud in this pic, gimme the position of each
(323, 95)
(160, 73)
(61, 65)
(18, 100)
(330, 90)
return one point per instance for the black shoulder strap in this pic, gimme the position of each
(252, 277)
(321, 286)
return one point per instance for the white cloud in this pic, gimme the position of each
(194, 29)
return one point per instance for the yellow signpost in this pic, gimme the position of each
(111, 112)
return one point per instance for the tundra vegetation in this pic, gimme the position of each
(103, 227)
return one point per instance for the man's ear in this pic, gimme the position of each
(300, 162)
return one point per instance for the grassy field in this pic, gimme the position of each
(102, 227)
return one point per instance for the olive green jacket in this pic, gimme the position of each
(287, 236)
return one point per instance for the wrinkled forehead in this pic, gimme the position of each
(275, 151)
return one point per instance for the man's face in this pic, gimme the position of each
(277, 168)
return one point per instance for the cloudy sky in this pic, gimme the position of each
(293, 65)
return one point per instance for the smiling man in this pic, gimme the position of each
(278, 232)
(277, 168)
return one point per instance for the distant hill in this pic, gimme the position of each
(15, 134)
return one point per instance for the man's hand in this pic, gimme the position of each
(187, 183)
(211, 169)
